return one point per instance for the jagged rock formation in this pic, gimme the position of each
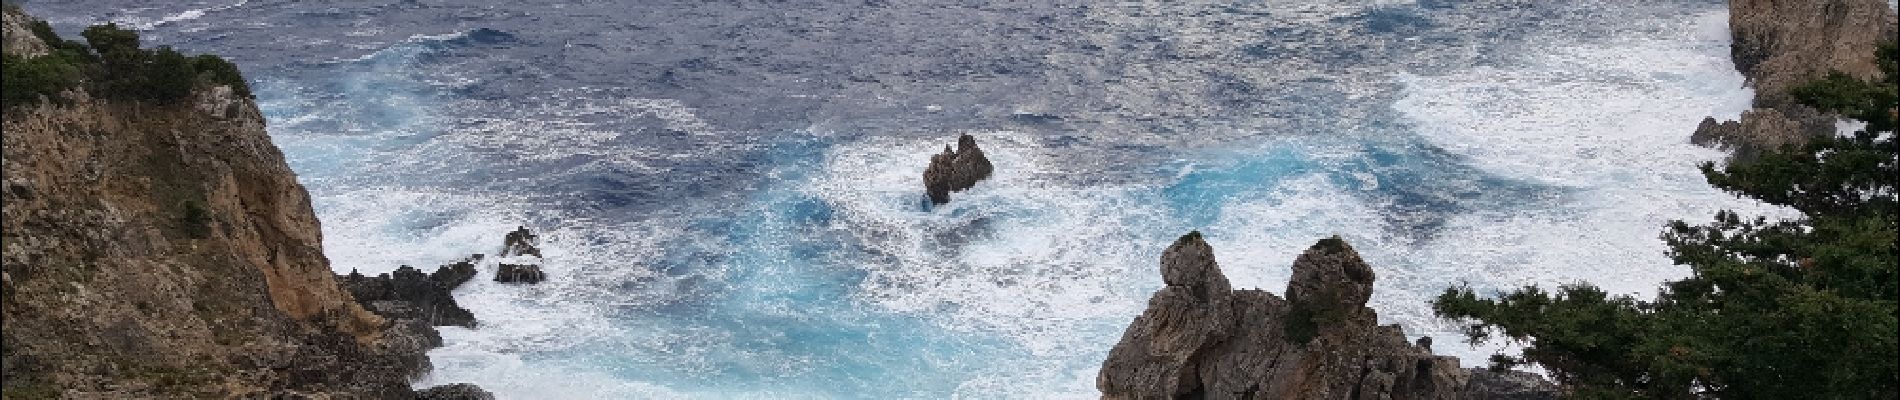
(1201, 339)
(1779, 44)
(409, 294)
(167, 251)
(520, 258)
(953, 171)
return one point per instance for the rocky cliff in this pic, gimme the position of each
(1780, 44)
(165, 250)
(1200, 339)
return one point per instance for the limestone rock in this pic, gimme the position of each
(955, 170)
(1779, 44)
(1199, 339)
(163, 251)
(20, 40)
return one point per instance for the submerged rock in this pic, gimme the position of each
(1200, 339)
(955, 170)
(520, 260)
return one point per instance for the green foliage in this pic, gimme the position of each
(220, 72)
(194, 221)
(169, 75)
(23, 81)
(114, 67)
(1803, 308)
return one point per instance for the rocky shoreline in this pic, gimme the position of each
(1200, 338)
(1778, 45)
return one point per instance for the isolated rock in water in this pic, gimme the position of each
(521, 242)
(520, 260)
(955, 170)
(457, 391)
(1200, 339)
(407, 293)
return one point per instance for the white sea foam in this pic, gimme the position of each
(1608, 120)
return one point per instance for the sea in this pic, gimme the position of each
(729, 193)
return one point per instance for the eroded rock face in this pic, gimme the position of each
(520, 260)
(20, 40)
(1780, 44)
(163, 251)
(1199, 339)
(955, 170)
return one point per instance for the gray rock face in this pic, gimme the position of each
(1200, 339)
(955, 170)
(1779, 44)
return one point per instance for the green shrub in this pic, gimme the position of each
(168, 76)
(216, 70)
(24, 80)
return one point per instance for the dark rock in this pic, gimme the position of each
(521, 242)
(521, 258)
(1509, 385)
(456, 391)
(519, 273)
(1199, 339)
(407, 293)
(955, 170)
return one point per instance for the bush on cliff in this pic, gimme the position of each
(114, 67)
(1802, 308)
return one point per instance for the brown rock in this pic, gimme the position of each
(1195, 341)
(160, 251)
(955, 170)
(1780, 44)
(521, 254)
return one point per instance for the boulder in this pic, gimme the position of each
(955, 170)
(1200, 339)
(455, 391)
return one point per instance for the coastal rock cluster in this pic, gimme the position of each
(166, 250)
(1201, 339)
(520, 258)
(955, 170)
(410, 294)
(1780, 44)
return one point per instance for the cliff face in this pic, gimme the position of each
(167, 250)
(1199, 339)
(1780, 44)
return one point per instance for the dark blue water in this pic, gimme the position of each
(730, 191)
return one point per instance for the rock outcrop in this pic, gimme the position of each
(955, 170)
(1200, 339)
(18, 35)
(1780, 44)
(520, 260)
(408, 294)
(162, 250)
